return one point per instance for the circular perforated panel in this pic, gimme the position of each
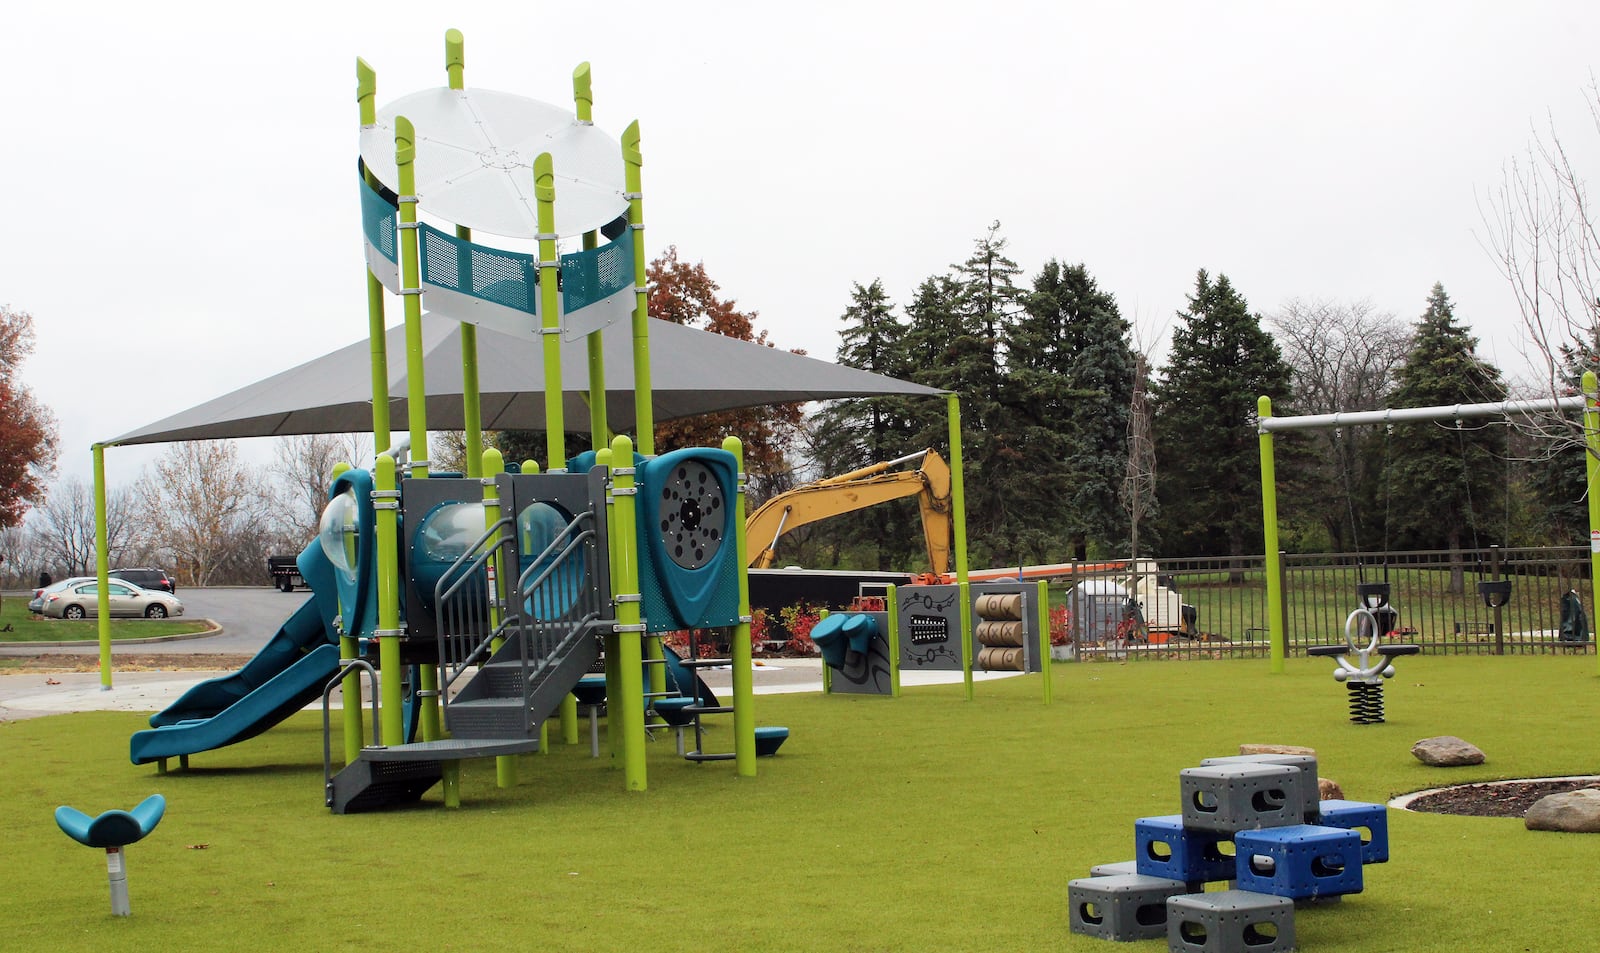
(474, 160)
(694, 515)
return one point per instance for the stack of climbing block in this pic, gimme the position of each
(1254, 825)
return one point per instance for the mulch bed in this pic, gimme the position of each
(1509, 799)
(165, 662)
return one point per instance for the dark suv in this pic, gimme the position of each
(147, 578)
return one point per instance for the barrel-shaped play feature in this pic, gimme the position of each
(1006, 606)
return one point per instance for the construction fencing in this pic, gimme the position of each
(1436, 593)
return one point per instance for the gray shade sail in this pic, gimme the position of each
(692, 372)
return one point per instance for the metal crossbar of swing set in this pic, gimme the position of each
(1504, 408)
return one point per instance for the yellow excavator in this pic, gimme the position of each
(857, 490)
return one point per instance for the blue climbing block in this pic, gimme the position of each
(1165, 848)
(859, 631)
(769, 740)
(1358, 816)
(831, 640)
(113, 828)
(1301, 861)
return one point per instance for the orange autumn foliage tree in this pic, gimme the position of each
(684, 294)
(27, 428)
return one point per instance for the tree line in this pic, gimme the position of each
(1050, 381)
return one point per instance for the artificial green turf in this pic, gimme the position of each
(26, 627)
(918, 824)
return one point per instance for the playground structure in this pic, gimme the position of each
(475, 604)
(930, 628)
(1588, 401)
(1253, 821)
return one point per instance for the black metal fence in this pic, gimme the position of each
(1437, 594)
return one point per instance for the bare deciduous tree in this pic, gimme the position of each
(22, 557)
(216, 513)
(304, 468)
(1344, 356)
(65, 528)
(1543, 232)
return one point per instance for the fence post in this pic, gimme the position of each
(1283, 600)
(1494, 573)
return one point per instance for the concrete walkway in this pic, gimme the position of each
(36, 694)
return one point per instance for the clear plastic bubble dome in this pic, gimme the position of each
(339, 531)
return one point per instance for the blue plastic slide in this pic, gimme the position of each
(288, 674)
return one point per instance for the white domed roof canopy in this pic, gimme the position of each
(474, 164)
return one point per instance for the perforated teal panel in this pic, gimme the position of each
(505, 278)
(596, 274)
(377, 221)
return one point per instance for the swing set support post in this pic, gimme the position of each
(1276, 636)
(1591, 437)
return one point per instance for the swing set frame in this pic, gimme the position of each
(1588, 402)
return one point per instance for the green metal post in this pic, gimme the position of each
(958, 506)
(544, 192)
(1044, 637)
(366, 90)
(599, 431)
(472, 417)
(455, 59)
(1591, 437)
(391, 713)
(827, 673)
(892, 604)
(405, 153)
(102, 567)
(505, 766)
(643, 406)
(377, 345)
(602, 458)
(744, 695)
(355, 729)
(627, 712)
(1269, 520)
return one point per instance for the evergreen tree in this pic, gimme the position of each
(850, 434)
(1446, 484)
(1070, 375)
(1205, 404)
(986, 302)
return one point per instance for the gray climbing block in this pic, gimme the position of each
(1241, 797)
(1121, 907)
(1230, 921)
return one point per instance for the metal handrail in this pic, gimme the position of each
(327, 724)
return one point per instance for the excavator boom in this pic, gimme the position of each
(857, 490)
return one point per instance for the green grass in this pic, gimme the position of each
(27, 628)
(923, 823)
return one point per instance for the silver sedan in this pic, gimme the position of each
(80, 600)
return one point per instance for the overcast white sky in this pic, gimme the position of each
(179, 208)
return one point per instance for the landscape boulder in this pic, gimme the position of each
(1446, 751)
(1574, 812)
(1277, 749)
